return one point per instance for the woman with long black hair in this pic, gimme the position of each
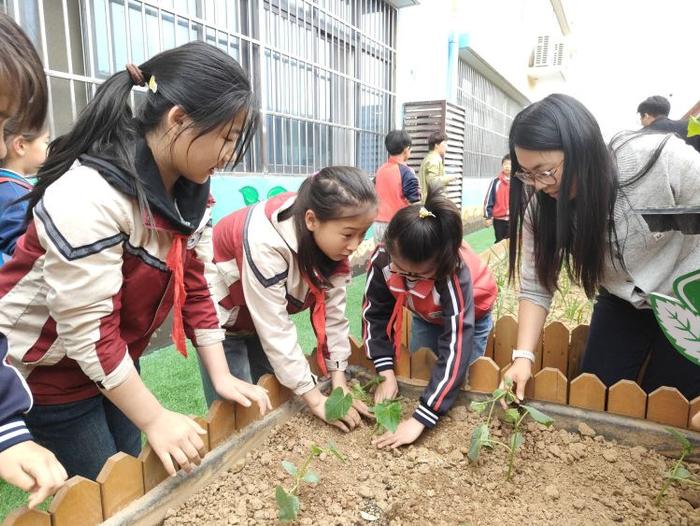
(572, 209)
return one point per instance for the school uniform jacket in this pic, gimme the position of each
(453, 303)
(256, 253)
(91, 281)
(12, 212)
(496, 204)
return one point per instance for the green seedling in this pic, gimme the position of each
(679, 473)
(288, 504)
(337, 405)
(481, 437)
(387, 413)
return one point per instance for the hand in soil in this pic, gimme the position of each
(407, 433)
(338, 380)
(232, 388)
(519, 373)
(33, 469)
(178, 436)
(388, 389)
(316, 403)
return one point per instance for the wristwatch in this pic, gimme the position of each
(519, 353)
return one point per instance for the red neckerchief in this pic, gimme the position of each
(175, 264)
(397, 285)
(318, 323)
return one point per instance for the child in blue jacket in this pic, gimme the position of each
(26, 152)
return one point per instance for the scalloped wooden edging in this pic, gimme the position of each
(550, 385)
(587, 392)
(626, 398)
(666, 405)
(484, 375)
(77, 503)
(121, 480)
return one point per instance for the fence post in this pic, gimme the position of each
(484, 375)
(628, 399)
(587, 392)
(121, 480)
(550, 385)
(667, 405)
(78, 502)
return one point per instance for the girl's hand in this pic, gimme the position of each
(175, 437)
(338, 380)
(232, 388)
(388, 389)
(407, 433)
(33, 469)
(520, 372)
(317, 404)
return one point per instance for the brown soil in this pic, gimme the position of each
(560, 478)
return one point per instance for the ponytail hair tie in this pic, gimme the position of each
(424, 212)
(136, 75)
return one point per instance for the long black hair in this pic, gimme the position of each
(209, 85)
(334, 192)
(22, 75)
(570, 232)
(433, 236)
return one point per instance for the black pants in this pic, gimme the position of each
(620, 339)
(500, 227)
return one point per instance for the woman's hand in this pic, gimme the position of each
(407, 433)
(232, 388)
(520, 372)
(316, 402)
(33, 469)
(388, 389)
(175, 437)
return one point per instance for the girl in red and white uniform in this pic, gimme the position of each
(288, 254)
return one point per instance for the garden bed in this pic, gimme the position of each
(564, 474)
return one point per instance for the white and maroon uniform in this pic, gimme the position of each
(90, 282)
(256, 254)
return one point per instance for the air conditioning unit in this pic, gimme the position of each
(549, 58)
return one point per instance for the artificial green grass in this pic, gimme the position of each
(176, 381)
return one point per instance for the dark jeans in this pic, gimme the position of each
(246, 360)
(84, 434)
(500, 227)
(620, 339)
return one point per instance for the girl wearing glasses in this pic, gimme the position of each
(426, 267)
(572, 208)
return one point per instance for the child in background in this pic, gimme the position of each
(119, 236)
(497, 202)
(396, 183)
(288, 254)
(24, 97)
(426, 267)
(26, 152)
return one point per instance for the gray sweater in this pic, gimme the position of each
(652, 260)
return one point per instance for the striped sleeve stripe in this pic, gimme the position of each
(368, 304)
(456, 321)
(9, 435)
(384, 359)
(427, 414)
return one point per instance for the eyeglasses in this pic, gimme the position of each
(547, 177)
(409, 275)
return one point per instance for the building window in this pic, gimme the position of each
(489, 114)
(323, 69)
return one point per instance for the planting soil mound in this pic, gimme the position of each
(560, 478)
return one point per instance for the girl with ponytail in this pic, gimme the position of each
(118, 236)
(283, 256)
(425, 266)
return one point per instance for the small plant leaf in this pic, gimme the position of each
(538, 416)
(498, 394)
(358, 393)
(682, 440)
(516, 440)
(479, 407)
(480, 436)
(388, 414)
(680, 474)
(508, 382)
(334, 451)
(289, 467)
(337, 404)
(316, 450)
(287, 505)
(511, 416)
(311, 477)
